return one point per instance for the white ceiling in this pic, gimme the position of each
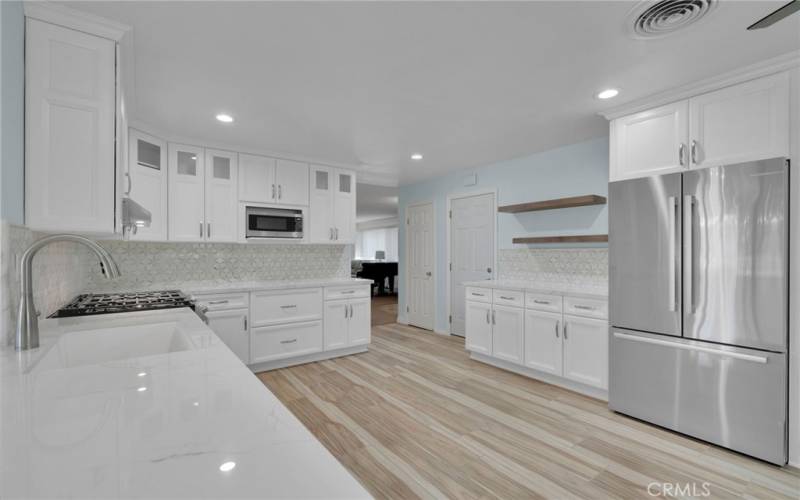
(367, 84)
(375, 202)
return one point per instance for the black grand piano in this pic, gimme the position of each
(379, 273)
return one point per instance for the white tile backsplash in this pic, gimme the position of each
(566, 266)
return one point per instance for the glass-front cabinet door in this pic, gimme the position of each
(146, 182)
(186, 193)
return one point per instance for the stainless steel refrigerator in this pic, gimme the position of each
(699, 294)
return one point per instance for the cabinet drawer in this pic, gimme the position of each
(222, 301)
(479, 294)
(275, 307)
(508, 298)
(591, 308)
(346, 292)
(543, 302)
(268, 343)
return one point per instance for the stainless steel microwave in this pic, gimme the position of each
(273, 223)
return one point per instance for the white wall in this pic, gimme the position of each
(794, 278)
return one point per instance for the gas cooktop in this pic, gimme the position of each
(105, 303)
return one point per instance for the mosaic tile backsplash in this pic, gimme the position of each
(60, 271)
(143, 264)
(568, 266)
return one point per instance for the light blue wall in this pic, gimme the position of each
(12, 96)
(572, 170)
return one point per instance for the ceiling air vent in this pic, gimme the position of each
(658, 19)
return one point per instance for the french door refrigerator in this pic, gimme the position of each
(698, 291)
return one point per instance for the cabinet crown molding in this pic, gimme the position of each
(75, 19)
(777, 64)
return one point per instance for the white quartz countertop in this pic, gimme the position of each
(199, 287)
(157, 425)
(544, 287)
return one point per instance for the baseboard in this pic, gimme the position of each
(308, 358)
(441, 332)
(544, 377)
(402, 319)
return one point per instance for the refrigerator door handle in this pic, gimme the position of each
(688, 254)
(672, 201)
(690, 347)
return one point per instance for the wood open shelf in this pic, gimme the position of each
(581, 238)
(574, 201)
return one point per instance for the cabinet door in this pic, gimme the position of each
(232, 328)
(221, 199)
(147, 182)
(586, 351)
(478, 327)
(257, 179)
(358, 330)
(344, 210)
(543, 341)
(336, 324)
(746, 122)
(320, 219)
(291, 178)
(652, 142)
(69, 130)
(186, 193)
(508, 332)
(269, 343)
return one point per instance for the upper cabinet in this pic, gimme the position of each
(146, 182)
(744, 122)
(70, 114)
(220, 201)
(332, 217)
(267, 180)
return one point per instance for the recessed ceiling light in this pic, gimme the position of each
(227, 466)
(141, 389)
(224, 118)
(141, 374)
(416, 156)
(608, 94)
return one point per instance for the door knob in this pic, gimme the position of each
(489, 270)
(428, 273)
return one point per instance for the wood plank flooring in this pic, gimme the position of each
(416, 418)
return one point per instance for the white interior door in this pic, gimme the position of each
(472, 248)
(419, 256)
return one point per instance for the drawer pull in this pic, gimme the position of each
(585, 308)
(348, 292)
(506, 298)
(291, 306)
(288, 341)
(477, 294)
(543, 302)
(217, 302)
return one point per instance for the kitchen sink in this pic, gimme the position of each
(91, 347)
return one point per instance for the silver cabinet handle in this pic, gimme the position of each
(208, 230)
(680, 153)
(688, 252)
(494, 322)
(692, 347)
(288, 341)
(672, 297)
(694, 151)
(428, 273)
(507, 298)
(489, 270)
(245, 322)
(557, 322)
(565, 330)
(336, 232)
(201, 229)
(130, 183)
(331, 235)
(273, 191)
(348, 292)
(543, 302)
(290, 306)
(351, 311)
(487, 317)
(585, 308)
(477, 294)
(215, 302)
(280, 192)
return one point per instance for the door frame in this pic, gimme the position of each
(407, 273)
(449, 248)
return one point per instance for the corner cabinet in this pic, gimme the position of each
(70, 116)
(332, 205)
(740, 123)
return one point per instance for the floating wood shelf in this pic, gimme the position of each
(584, 238)
(574, 201)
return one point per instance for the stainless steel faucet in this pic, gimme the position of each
(27, 320)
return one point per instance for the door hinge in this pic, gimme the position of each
(450, 319)
(408, 221)
(451, 266)
(407, 309)
(450, 214)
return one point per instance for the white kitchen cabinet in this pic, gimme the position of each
(273, 307)
(508, 331)
(543, 341)
(744, 122)
(270, 343)
(347, 323)
(332, 205)
(586, 351)
(70, 114)
(146, 182)
(186, 193)
(478, 330)
(651, 142)
(267, 180)
(221, 195)
(231, 326)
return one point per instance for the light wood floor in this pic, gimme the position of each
(384, 309)
(415, 417)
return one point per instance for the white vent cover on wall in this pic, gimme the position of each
(658, 19)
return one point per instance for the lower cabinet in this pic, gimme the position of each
(586, 351)
(507, 333)
(232, 328)
(478, 318)
(543, 341)
(347, 323)
(268, 343)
